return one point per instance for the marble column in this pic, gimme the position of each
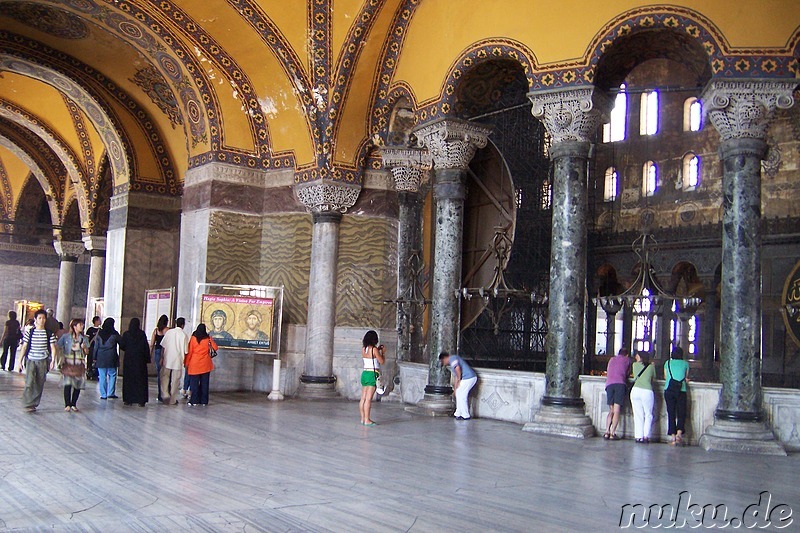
(452, 144)
(572, 117)
(741, 111)
(327, 201)
(407, 166)
(97, 270)
(68, 253)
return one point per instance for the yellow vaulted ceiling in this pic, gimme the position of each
(16, 173)
(192, 81)
(560, 31)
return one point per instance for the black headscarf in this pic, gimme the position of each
(200, 333)
(108, 329)
(135, 325)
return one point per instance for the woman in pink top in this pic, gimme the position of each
(616, 390)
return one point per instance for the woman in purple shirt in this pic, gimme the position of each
(616, 390)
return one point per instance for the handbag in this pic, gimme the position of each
(674, 385)
(70, 370)
(211, 351)
(632, 383)
(380, 387)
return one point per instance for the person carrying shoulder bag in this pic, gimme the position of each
(676, 372)
(642, 397)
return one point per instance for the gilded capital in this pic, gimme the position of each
(452, 142)
(407, 166)
(324, 196)
(743, 109)
(571, 114)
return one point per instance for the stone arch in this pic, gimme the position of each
(71, 222)
(659, 35)
(685, 281)
(33, 219)
(119, 157)
(506, 51)
(60, 148)
(50, 189)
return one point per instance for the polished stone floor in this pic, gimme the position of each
(247, 464)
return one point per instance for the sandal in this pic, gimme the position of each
(606, 436)
(615, 437)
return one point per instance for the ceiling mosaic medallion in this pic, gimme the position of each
(156, 87)
(46, 19)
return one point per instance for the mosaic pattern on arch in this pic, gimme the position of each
(94, 82)
(55, 22)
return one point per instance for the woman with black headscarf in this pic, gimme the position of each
(106, 358)
(198, 364)
(134, 365)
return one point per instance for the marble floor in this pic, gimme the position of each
(247, 464)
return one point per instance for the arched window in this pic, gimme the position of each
(610, 189)
(546, 201)
(648, 113)
(649, 179)
(615, 130)
(691, 172)
(692, 114)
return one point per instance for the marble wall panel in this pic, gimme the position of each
(233, 248)
(515, 397)
(367, 272)
(286, 260)
(193, 256)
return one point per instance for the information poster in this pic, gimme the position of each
(239, 321)
(157, 302)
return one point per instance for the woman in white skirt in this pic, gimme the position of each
(642, 397)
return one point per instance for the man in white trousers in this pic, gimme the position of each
(465, 379)
(176, 344)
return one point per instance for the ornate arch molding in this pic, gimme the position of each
(724, 61)
(7, 200)
(53, 140)
(53, 200)
(477, 53)
(98, 85)
(102, 122)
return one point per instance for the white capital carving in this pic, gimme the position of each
(407, 166)
(743, 109)
(452, 142)
(323, 195)
(68, 248)
(93, 242)
(572, 114)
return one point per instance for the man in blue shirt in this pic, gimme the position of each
(465, 380)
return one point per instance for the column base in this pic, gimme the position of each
(741, 436)
(275, 396)
(561, 421)
(317, 388)
(433, 405)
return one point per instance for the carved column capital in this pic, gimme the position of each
(407, 166)
(323, 195)
(452, 142)
(69, 251)
(571, 114)
(93, 242)
(743, 109)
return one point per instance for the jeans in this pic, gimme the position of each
(199, 385)
(187, 382)
(462, 397)
(71, 396)
(157, 351)
(107, 381)
(642, 401)
(676, 411)
(10, 353)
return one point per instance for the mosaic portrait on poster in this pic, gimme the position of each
(239, 321)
